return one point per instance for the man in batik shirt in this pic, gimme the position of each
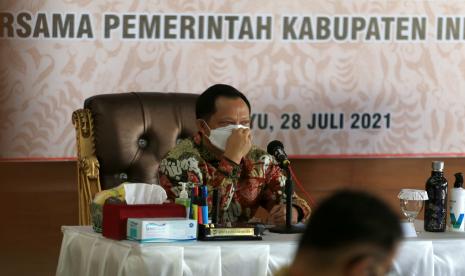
(221, 156)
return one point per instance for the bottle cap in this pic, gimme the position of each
(438, 166)
(204, 190)
(458, 180)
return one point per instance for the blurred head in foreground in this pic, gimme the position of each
(350, 233)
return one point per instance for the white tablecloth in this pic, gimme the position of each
(447, 253)
(84, 252)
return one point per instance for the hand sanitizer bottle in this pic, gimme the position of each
(457, 205)
(183, 199)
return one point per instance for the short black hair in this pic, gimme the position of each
(205, 105)
(351, 218)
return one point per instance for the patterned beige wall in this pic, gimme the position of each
(419, 84)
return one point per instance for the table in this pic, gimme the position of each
(84, 252)
(431, 254)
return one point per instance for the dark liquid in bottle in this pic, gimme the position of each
(436, 205)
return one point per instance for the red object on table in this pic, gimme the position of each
(115, 216)
(199, 215)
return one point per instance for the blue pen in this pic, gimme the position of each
(204, 204)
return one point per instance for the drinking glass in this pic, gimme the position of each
(411, 203)
(411, 208)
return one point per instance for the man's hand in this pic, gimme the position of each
(277, 215)
(238, 144)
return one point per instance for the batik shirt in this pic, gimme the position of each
(243, 188)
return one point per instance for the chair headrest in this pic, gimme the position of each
(134, 131)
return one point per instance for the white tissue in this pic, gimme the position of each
(141, 193)
(412, 194)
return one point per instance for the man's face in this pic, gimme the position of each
(355, 260)
(374, 264)
(385, 266)
(229, 111)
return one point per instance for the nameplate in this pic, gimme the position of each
(218, 232)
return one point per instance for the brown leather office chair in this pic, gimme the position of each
(122, 138)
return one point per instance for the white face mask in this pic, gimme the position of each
(219, 136)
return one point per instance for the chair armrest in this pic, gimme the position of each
(87, 163)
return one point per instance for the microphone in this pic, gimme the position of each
(276, 149)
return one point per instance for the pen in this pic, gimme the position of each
(195, 194)
(216, 207)
(199, 206)
(204, 203)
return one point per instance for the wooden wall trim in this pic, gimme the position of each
(39, 197)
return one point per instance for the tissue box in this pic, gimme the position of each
(161, 230)
(115, 216)
(129, 193)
